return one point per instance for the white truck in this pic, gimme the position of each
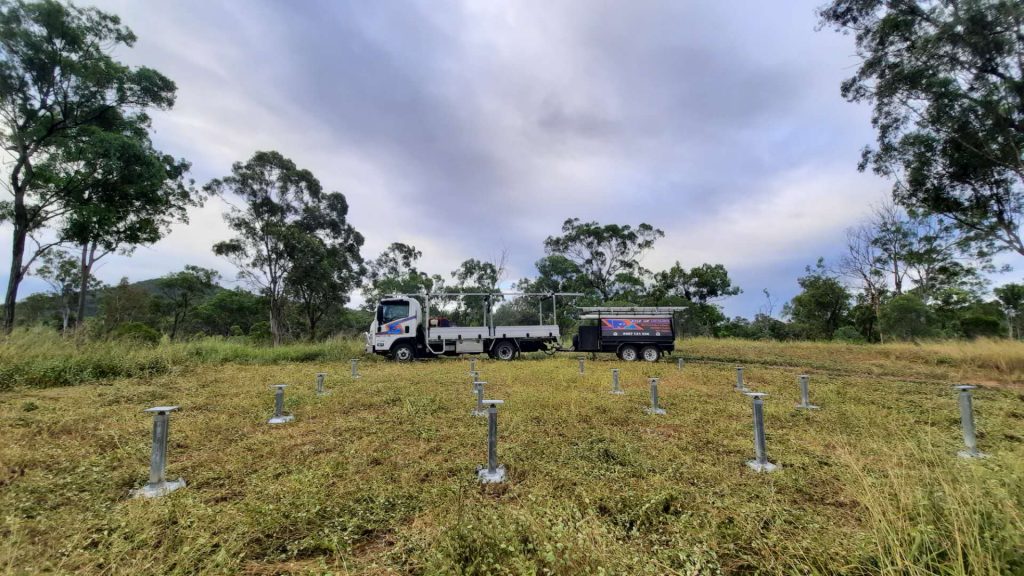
(403, 329)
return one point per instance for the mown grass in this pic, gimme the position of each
(379, 476)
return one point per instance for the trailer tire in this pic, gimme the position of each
(627, 353)
(403, 352)
(650, 353)
(505, 350)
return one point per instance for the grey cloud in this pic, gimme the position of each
(468, 128)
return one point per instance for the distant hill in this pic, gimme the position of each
(43, 306)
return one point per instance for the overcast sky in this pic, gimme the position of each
(469, 128)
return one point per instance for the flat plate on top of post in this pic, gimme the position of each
(161, 409)
(159, 489)
(756, 394)
(964, 387)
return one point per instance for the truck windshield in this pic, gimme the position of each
(390, 311)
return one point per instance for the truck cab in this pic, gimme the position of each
(396, 328)
(403, 330)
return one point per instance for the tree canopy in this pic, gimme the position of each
(607, 255)
(946, 79)
(58, 82)
(286, 219)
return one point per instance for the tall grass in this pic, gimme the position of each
(42, 359)
(994, 360)
(943, 519)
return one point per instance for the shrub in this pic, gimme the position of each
(848, 334)
(905, 317)
(136, 332)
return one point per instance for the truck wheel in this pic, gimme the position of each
(627, 353)
(650, 353)
(402, 352)
(504, 350)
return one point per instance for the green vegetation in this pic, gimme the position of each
(378, 477)
(41, 359)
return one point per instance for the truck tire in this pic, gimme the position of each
(505, 350)
(650, 353)
(403, 352)
(627, 353)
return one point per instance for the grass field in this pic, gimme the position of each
(379, 476)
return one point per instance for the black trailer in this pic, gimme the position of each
(631, 332)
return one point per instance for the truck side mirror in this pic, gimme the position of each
(406, 328)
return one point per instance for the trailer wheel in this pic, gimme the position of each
(650, 353)
(403, 352)
(504, 350)
(627, 353)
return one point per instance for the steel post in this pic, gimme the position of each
(493, 472)
(158, 484)
(581, 359)
(805, 393)
(616, 389)
(320, 377)
(355, 368)
(478, 387)
(967, 423)
(655, 406)
(740, 386)
(760, 462)
(680, 363)
(279, 415)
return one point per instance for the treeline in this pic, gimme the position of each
(180, 305)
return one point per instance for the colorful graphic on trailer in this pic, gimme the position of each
(636, 326)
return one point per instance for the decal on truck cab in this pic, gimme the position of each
(395, 326)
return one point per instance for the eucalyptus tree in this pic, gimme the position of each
(822, 305)
(181, 290)
(61, 272)
(58, 76)
(131, 197)
(284, 208)
(326, 264)
(1011, 296)
(607, 255)
(946, 79)
(395, 271)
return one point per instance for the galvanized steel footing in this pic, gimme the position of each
(158, 484)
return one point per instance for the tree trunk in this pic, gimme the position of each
(14, 280)
(275, 320)
(83, 283)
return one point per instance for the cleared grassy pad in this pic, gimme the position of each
(379, 476)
